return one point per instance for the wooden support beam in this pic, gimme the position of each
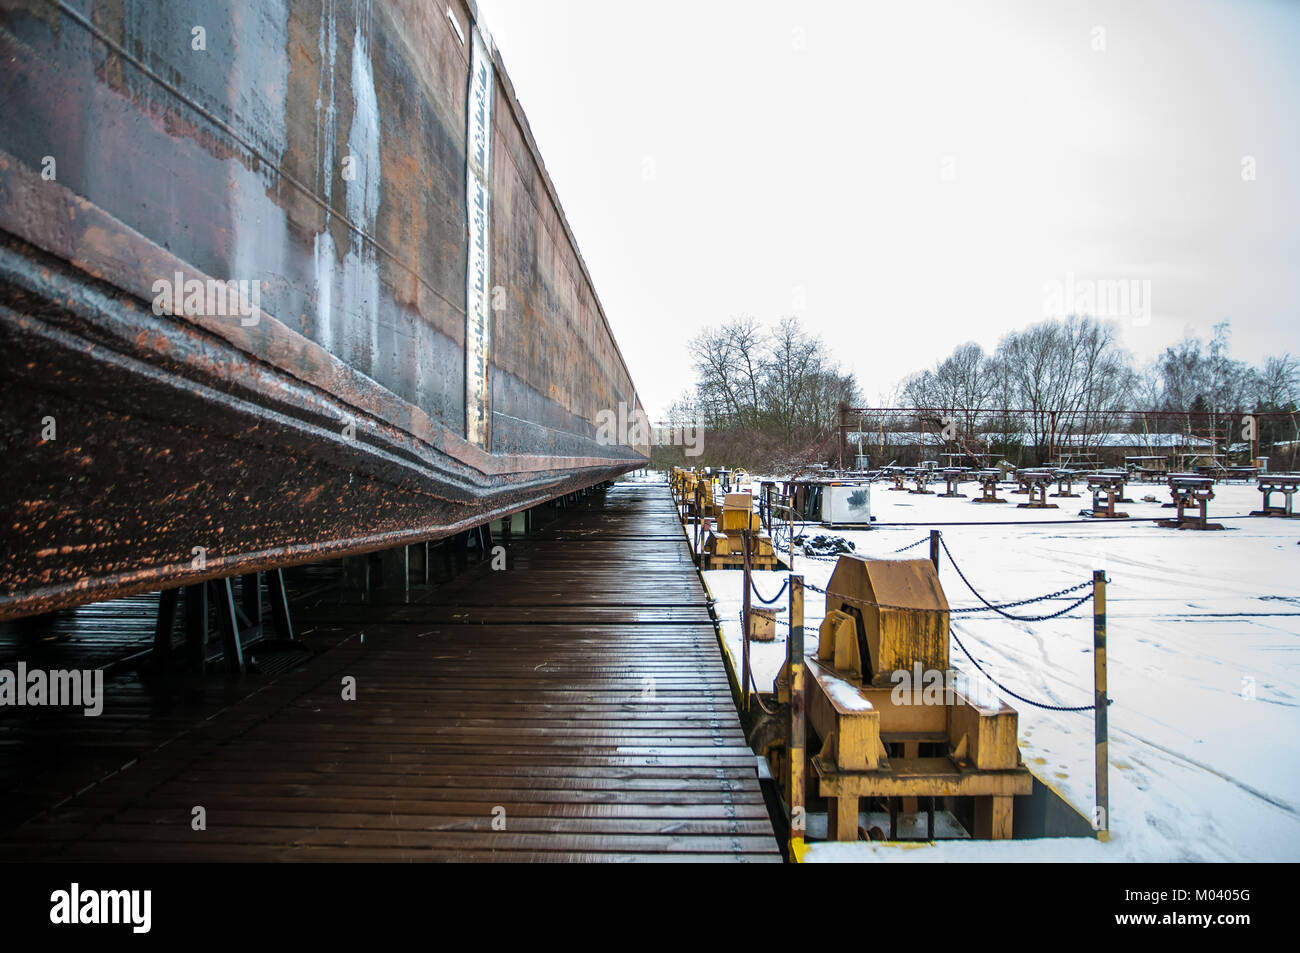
(911, 751)
(993, 817)
(842, 818)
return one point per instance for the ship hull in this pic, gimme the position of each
(151, 439)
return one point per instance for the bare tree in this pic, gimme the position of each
(728, 362)
(1278, 383)
(780, 385)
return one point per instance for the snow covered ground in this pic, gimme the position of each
(1204, 666)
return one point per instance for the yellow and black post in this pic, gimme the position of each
(1101, 813)
(798, 729)
(744, 625)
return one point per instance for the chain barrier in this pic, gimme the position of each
(822, 559)
(882, 605)
(758, 696)
(998, 608)
(1028, 701)
(740, 616)
(1023, 602)
(758, 595)
(1031, 618)
(1016, 695)
(903, 549)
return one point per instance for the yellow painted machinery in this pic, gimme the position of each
(892, 722)
(723, 546)
(712, 504)
(687, 481)
(675, 482)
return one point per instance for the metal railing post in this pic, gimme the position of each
(744, 624)
(790, 510)
(1101, 815)
(798, 730)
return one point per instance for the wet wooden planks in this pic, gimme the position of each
(572, 706)
(90, 636)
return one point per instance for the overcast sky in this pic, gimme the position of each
(908, 176)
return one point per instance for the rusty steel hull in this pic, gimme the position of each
(319, 150)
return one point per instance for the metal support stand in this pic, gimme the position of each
(232, 648)
(250, 595)
(988, 487)
(238, 621)
(356, 573)
(1285, 483)
(396, 572)
(162, 635)
(280, 617)
(196, 626)
(952, 480)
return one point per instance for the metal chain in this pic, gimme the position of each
(1018, 618)
(759, 595)
(758, 697)
(1030, 618)
(883, 605)
(1024, 602)
(1017, 697)
(904, 549)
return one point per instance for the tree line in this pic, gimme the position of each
(762, 394)
(1072, 373)
(770, 396)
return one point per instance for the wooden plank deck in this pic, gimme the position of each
(571, 707)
